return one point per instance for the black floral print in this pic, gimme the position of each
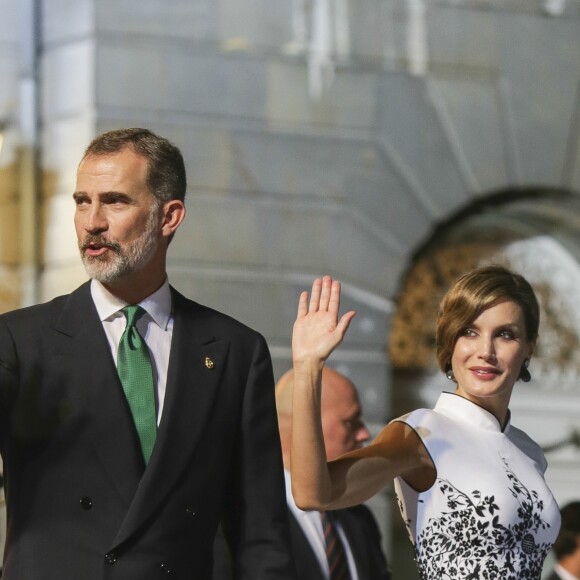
(470, 543)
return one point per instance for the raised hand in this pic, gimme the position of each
(318, 330)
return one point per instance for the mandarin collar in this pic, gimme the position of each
(462, 409)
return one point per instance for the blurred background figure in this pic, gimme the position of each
(567, 546)
(357, 533)
(343, 430)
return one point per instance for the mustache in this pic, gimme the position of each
(97, 240)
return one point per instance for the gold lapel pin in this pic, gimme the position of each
(208, 362)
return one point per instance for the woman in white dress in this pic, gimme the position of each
(470, 485)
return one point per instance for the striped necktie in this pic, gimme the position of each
(136, 375)
(335, 554)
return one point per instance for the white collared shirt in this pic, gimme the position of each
(156, 328)
(564, 574)
(312, 527)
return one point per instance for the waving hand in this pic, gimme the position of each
(318, 330)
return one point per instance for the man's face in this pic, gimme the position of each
(117, 218)
(342, 424)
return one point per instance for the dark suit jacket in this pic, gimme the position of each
(364, 539)
(80, 502)
(363, 536)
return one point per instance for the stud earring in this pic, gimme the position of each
(449, 374)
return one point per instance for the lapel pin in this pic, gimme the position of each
(208, 362)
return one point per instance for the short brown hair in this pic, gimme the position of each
(166, 178)
(474, 292)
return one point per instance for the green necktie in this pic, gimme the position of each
(136, 374)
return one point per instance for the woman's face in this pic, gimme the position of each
(489, 354)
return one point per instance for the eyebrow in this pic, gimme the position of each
(106, 196)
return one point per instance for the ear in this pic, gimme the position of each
(173, 215)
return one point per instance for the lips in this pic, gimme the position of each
(485, 373)
(95, 247)
(96, 250)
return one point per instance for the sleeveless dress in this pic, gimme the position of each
(489, 515)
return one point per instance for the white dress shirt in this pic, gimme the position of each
(564, 574)
(312, 527)
(156, 328)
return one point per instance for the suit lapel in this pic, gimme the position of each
(196, 364)
(307, 565)
(81, 348)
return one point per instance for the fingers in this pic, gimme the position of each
(344, 322)
(326, 293)
(334, 298)
(325, 297)
(315, 295)
(302, 304)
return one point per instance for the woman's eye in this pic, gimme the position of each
(507, 334)
(469, 332)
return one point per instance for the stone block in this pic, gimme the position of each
(540, 95)
(349, 101)
(61, 278)
(178, 80)
(475, 122)
(58, 238)
(9, 232)
(465, 40)
(68, 80)
(254, 25)
(64, 141)
(410, 126)
(190, 19)
(9, 289)
(78, 23)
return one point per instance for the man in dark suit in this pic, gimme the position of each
(343, 430)
(567, 545)
(132, 419)
(358, 533)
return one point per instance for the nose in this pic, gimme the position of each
(362, 434)
(488, 350)
(95, 221)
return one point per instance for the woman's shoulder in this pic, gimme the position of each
(528, 446)
(418, 417)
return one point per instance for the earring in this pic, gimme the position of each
(449, 374)
(525, 375)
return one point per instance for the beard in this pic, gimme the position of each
(120, 260)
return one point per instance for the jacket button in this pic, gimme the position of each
(165, 569)
(110, 558)
(86, 503)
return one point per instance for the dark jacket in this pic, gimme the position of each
(81, 503)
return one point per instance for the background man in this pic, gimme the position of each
(131, 418)
(567, 546)
(358, 533)
(343, 430)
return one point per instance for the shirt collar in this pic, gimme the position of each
(157, 305)
(463, 409)
(564, 574)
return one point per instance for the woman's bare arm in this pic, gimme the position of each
(358, 475)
